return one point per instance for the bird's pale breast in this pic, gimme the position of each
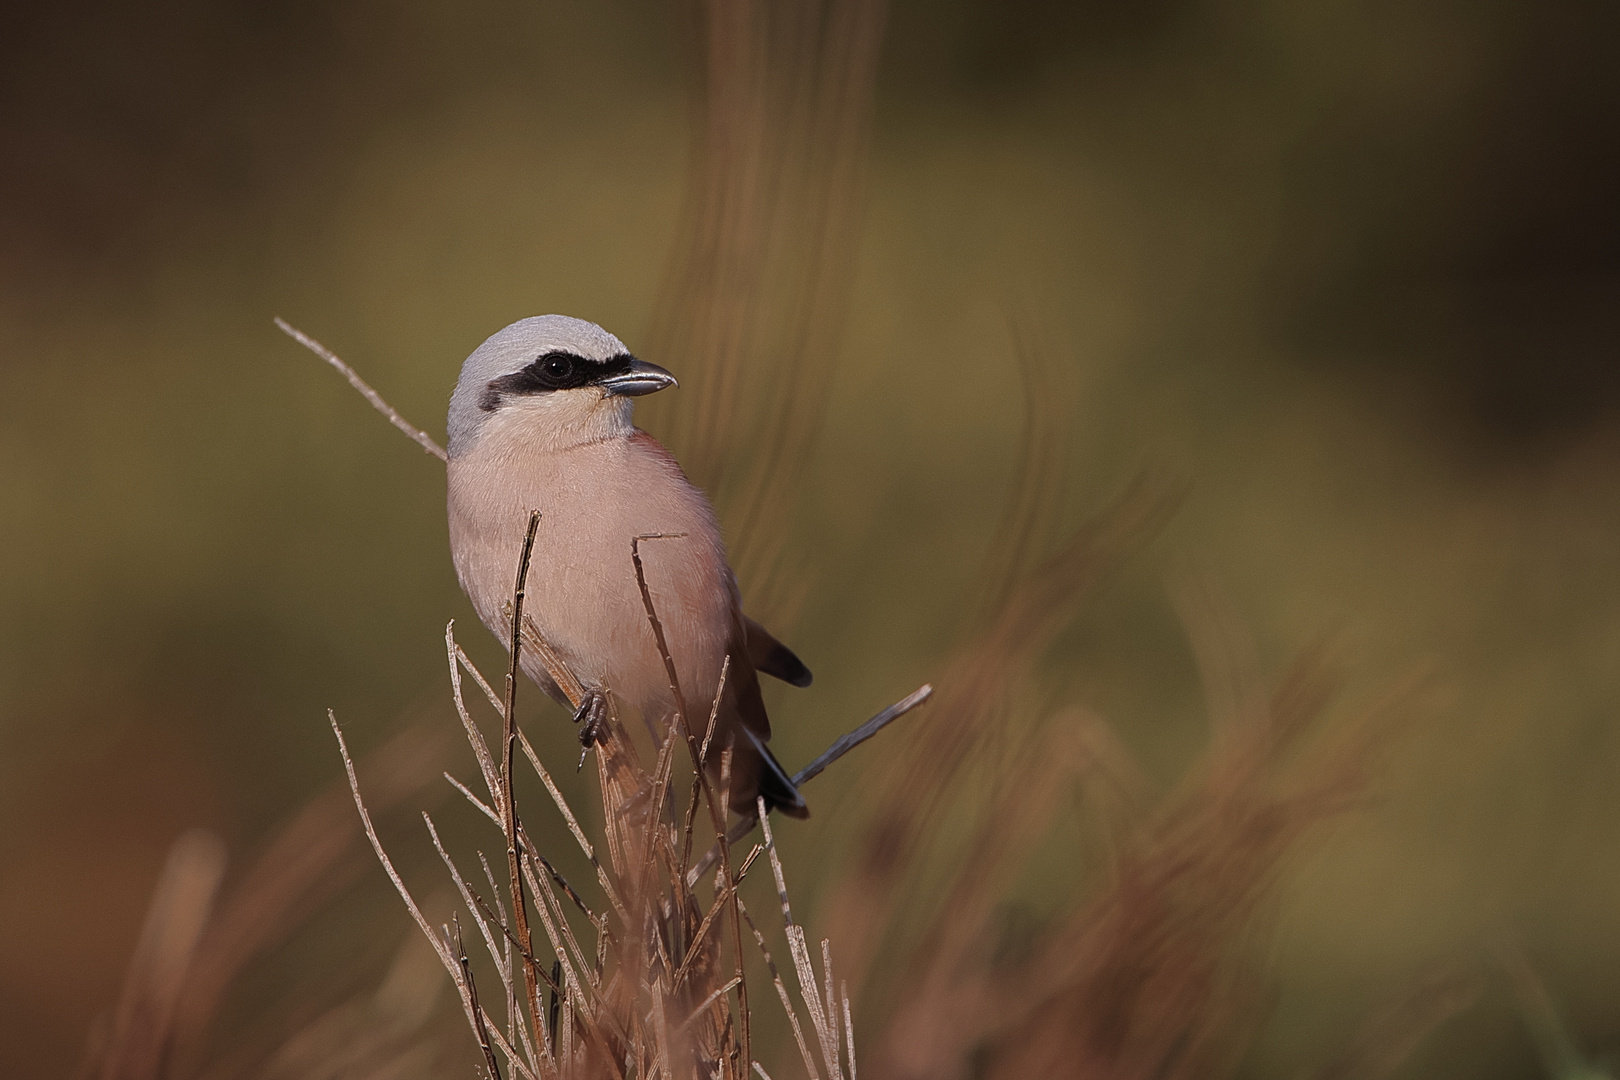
(582, 591)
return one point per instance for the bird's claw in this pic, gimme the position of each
(591, 707)
(592, 718)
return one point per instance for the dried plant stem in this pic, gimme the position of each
(472, 995)
(520, 912)
(474, 905)
(845, 743)
(486, 761)
(849, 1030)
(560, 673)
(416, 434)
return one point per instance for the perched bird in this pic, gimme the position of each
(540, 420)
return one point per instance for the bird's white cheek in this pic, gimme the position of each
(562, 419)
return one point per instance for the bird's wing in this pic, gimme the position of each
(772, 657)
(742, 688)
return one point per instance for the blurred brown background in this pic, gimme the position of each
(1352, 271)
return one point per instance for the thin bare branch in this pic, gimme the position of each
(475, 737)
(479, 1027)
(714, 709)
(416, 434)
(514, 1024)
(562, 883)
(844, 744)
(520, 912)
(483, 807)
(467, 898)
(540, 885)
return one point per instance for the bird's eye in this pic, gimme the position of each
(557, 367)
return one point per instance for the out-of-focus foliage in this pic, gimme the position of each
(1349, 271)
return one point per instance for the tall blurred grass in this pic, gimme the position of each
(1348, 271)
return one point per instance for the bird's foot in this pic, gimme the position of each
(592, 718)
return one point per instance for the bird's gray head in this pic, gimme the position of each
(549, 380)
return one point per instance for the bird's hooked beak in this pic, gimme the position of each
(642, 378)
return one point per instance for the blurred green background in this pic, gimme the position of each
(1351, 270)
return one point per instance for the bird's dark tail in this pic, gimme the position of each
(774, 784)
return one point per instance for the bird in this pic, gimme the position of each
(540, 420)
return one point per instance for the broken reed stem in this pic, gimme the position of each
(520, 904)
(776, 865)
(717, 812)
(416, 434)
(503, 959)
(849, 1029)
(703, 755)
(832, 1009)
(560, 673)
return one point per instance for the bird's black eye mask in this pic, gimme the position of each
(554, 371)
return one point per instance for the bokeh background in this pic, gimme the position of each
(1350, 272)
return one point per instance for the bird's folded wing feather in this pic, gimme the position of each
(772, 657)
